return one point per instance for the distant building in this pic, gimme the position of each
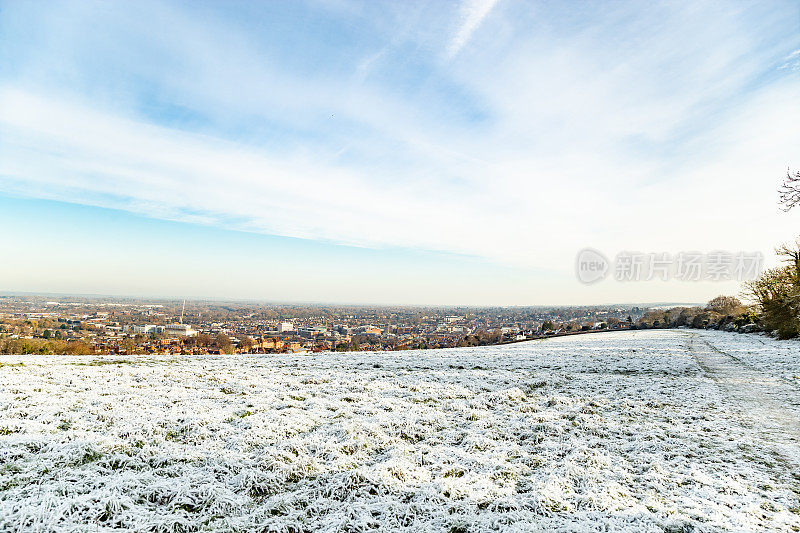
(285, 326)
(146, 329)
(368, 330)
(313, 331)
(267, 344)
(180, 330)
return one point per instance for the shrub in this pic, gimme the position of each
(777, 295)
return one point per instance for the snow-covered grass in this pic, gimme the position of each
(778, 358)
(617, 431)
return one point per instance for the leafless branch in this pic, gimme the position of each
(789, 192)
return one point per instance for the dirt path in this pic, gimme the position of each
(768, 405)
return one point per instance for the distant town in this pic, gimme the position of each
(41, 324)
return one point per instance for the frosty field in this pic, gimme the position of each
(640, 431)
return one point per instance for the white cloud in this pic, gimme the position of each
(610, 133)
(792, 61)
(472, 13)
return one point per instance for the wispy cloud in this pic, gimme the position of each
(792, 61)
(559, 131)
(472, 14)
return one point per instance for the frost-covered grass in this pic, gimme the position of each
(778, 358)
(620, 431)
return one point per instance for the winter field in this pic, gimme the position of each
(635, 431)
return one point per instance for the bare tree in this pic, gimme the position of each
(724, 304)
(222, 340)
(245, 344)
(791, 256)
(789, 192)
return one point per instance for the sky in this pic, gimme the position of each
(443, 152)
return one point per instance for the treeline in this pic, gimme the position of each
(43, 347)
(723, 312)
(774, 308)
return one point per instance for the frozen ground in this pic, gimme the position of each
(639, 431)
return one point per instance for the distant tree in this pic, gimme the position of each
(203, 339)
(351, 346)
(686, 316)
(127, 345)
(724, 305)
(700, 320)
(47, 334)
(78, 348)
(548, 324)
(789, 192)
(245, 343)
(222, 340)
(490, 337)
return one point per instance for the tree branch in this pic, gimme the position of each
(789, 192)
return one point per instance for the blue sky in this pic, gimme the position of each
(406, 152)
